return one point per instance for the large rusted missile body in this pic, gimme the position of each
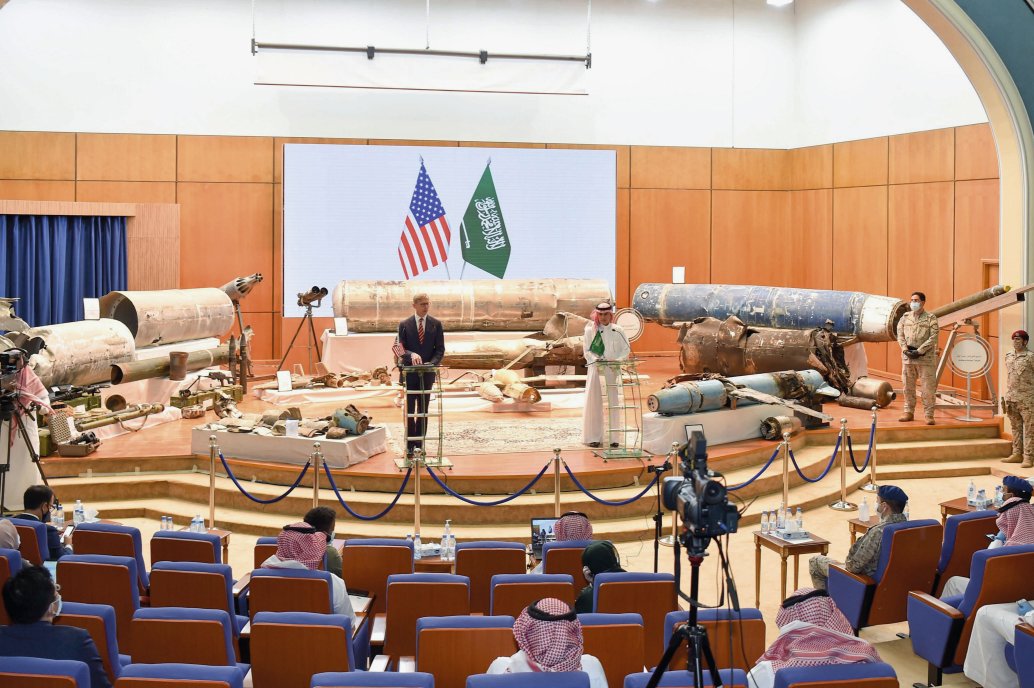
(513, 305)
(78, 353)
(867, 317)
(695, 396)
(528, 352)
(728, 347)
(130, 371)
(170, 315)
(971, 300)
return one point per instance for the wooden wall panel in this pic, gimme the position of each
(925, 156)
(659, 167)
(227, 231)
(623, 158)
(37, 155)
(860, 163)
(920, 231)
(126, 157)
(224, 158)
(499, 144)
(811, 238)
(299, 354)
(126, 192)
(153, 247)
(749, 169)
(25, 190)
(811, 168)
(860, 248)
(276, 277)
(976, 156)
(976, 233)
(411, 142)
(622, 288)
(750, 238)
(667, 228)
(262, 344)
(278, 150)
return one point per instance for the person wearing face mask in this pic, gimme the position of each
(865, 553)
(917, 337)
(323, 519)
(605, 341)
(38, 501)
(1019, 400)
(32, 600)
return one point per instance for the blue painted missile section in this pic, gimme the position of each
(695, 396)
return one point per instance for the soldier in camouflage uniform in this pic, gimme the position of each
(917, 337)
(865, 553)
(1019, 400)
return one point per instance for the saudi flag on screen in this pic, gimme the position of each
(485, 243)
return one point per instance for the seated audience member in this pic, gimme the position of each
(812, 632)
(865, 553)
(571, 526)
(38, 501)
(300, 546)
(1015, 526)
(9, 539)
(599, 557)
(549, 636)
(32, 601)
(323, 519)
(993, 627)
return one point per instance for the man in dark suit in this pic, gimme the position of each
(32, 601)
(422, 342)
(38, 502)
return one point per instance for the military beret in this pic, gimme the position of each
(892, 493)
(1017, 485)
(1022, 334)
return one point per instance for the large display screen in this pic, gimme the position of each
(407, 212)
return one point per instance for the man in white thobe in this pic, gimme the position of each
(994, 626)
(604, 341)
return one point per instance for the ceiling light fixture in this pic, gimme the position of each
(779, 3)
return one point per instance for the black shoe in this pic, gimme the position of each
(614, 445)
(594, 445)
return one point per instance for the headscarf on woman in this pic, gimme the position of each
(302, 543)
(572, 527)
(550, 635)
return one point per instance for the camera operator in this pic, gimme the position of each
(865, 554)
(21, 394)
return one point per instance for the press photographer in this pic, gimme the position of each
(22, 395)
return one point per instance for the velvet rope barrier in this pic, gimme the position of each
(825, 472)
(604, 502)
(497, 502)
(337, 493)
(758, 474)
(253, 498)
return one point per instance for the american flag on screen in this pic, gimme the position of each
(425, 238)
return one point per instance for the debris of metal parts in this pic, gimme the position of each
(463, 305)
(877, 392)
(8, 320)
(225, 406)
(91, 421)
(193, 412)
(170, 315)
(236, 289)
(773, 427)
(729, 347)
(867, 317)
(115, 403)
(970, 300)
(350, 419)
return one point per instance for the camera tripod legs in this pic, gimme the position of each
(5, 468)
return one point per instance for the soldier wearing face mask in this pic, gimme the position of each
(1019, 400)
(917, 337)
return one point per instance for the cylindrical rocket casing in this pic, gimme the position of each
(78, 353)
(177, 365)
(868, 317)
(971, 300)
(379, 306)
(170, 315)
(131, 371)
(693, 396)
(489, 354)
(877, 392)
(130, 412)
(773, 427)
(855, 402)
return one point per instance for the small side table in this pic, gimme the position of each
(955, 506)
(784, 548)
(432, 565)
(857, 526)
(224, 538)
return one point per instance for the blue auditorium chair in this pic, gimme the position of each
(565, 557)
(512, 592)
(114, 541)
(737, 639)
(33, 534)
(10, 564)
(99, 621)
(940, 629)
(680, 678)
(184, 635)
(44, 673)
(288, 648)
(175, 675)
(617, 640)
(451, 648)
(1023, 655)
(193, 584)
(367, 679)
(964, 534)
(290, 590)
(480, 561)
(650, 594)
(101, 579)
(183, 545)
(908, 561)
(367, 562)
(265, 547)
(412, 596)
(861, 675)
(560, 679)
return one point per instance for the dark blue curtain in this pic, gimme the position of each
(50, 263)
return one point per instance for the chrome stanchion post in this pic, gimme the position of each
(317, 457)
(669, 540)
(786, 469)
(213, 450)
(418, 463)
(871, 486)
(842, 504)
(556, 482)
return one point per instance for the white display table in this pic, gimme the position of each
(292, 450)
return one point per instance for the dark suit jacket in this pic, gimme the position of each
(433, 348)
(47, 641)
(55, 550)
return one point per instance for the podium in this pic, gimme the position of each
(622, 409)
(422, 414)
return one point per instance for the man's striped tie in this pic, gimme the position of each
(420, 330)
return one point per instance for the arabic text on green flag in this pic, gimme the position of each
(485, 243)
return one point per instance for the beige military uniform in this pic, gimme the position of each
(1019, 403)
(919, 331)
(862, 558)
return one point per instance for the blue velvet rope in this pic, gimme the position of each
(604, 502)
(337, 493)
(868, 454)
(274, 500)
(496, 502)
(832, 460)
(758, 474)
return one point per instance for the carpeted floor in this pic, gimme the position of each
(480, 437)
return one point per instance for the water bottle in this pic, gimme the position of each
(800, 520)
(443, 548)
(417, 554)
(863, 510)
(781, 517)
(447, 553)
(999, 497)
(764, 522)
(197, 525)
(59, 516)
(452, 547)
(78, 513)
(971, 494)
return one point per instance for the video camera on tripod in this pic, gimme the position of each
(700, 501)
(11, 363)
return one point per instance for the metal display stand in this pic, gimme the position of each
(971, 356)
(622, 410)
(431, 441)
